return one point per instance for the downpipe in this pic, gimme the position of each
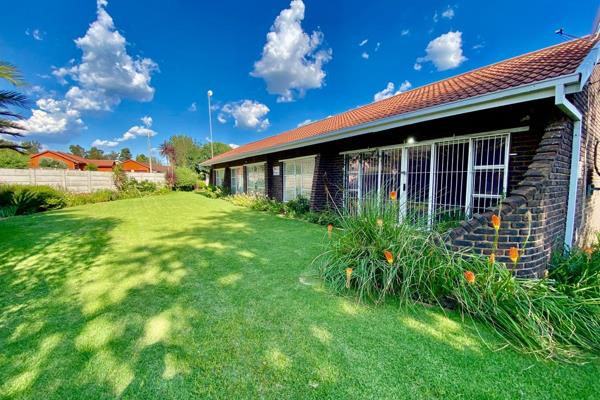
(575, 115)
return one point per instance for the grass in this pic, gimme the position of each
(180, 296)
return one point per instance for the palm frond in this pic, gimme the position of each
(12, 98)
(10, 73)
(6, 113)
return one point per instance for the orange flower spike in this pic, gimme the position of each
(329, 230)
(496, 222)
(348, 277)
(388, 256)
(470, 277)
(393, 195)
(492, 259)
(379, 222)
(589, 251)
(513, 254)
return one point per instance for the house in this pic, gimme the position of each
(138, 166)
(70, 160)
(522, 133)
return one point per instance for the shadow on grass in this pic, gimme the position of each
(214, 307)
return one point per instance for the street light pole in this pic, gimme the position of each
(149, 152)
(209, 95)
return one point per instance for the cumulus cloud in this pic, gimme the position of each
(233, 145)
(132, 133)
(390, 90)
(247, 114)
(53, 117)
(365, 55)
(292, 61)
(445, 52)
(107, 73)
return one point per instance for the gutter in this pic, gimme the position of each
(575, 115)
(534, 91)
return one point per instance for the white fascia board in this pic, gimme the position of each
(586, 67)
(535, 91)
(298, 158)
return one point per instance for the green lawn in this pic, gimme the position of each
(179, 296)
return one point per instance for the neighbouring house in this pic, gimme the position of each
(523, 132)
(137, 166)
(70, 160)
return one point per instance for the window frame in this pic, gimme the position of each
(217, 171)
(233, 178)
(249, 168)
(298, 186)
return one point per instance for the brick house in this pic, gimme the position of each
(70, 160)
(523, 132)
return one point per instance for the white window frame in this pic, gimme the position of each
(298, 188)
(219, 180)
(249, 171)
(234, 181)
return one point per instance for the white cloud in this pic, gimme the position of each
(417, 67)
(449, 13)
(390, 91)
(53, 117)
(247, 114)
(436, 17)
(35, 33)
(193, 107)
(107, 73)
(305, 122)
(377, 46)
(291, 61)
(132, 133)
(445, 52)
(404, 32)
(365, 55)
(233, 145)
(362, 43)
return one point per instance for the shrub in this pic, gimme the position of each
(52, 163)
(120, 178)
(21, 199)
(297, 207)
(99, 196)
(185, 179)
(91, 167)
(375, 257)
(12, 159)
(212, 192)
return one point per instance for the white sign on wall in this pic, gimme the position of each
(276, 170)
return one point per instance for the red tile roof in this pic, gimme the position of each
(79, 160)
(540, 65)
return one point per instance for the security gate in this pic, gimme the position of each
(441, 180)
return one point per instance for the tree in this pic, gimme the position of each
(142, 158)
(52, 163)
(125, 154)
(13, 159)
(218, 148)
(187, 151)
(91, 167)
(168, 151)
(113, 155)
(9, 118)
(95, 154)
(33, 146)
(77, 150)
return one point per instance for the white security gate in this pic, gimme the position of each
(441, 180)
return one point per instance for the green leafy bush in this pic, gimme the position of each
(374, 257)
(297, 207)
(12, 159)
(185, 179)
(21, 199)
(52, 163)
(91, 167)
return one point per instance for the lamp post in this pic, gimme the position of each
(209, 95)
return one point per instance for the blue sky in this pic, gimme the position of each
(96, 70)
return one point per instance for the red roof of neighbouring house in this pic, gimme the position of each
(78, 160)
(551, 62)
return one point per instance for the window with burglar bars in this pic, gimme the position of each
(219, 176)
(256, 178)
(438, 181)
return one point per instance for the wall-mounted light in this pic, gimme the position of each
(410, 140)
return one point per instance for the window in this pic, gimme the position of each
(256, 178)
(219, 176)
(237, 180)
(435, 181)
(298, 177)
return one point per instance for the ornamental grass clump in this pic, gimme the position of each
(375, 256)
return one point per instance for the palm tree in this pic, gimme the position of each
(11, 98)
(167, 150)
